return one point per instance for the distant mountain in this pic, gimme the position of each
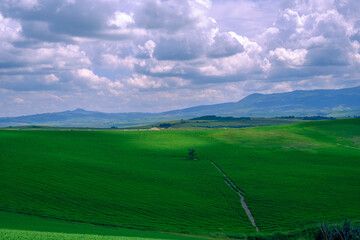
(342, 102)
(79, 118)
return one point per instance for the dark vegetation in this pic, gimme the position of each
(307, 118)
(346, 231)
(165, 125)
(325, 231)
(213, 121)
(191, 154)
(223, 119)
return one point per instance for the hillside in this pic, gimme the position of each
(342, 102)
(218, 122)
(78, 118)
(337, 103)
(31, 227)
(143, 179)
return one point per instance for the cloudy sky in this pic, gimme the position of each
(156, 55)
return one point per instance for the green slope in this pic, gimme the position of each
(206, 124)
(295, 175)
(130, 179)
(20, 226)
(7, 234)
(291, 176)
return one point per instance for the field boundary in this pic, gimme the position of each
(237, 190)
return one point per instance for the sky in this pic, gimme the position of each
(158, 55)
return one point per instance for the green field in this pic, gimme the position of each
(293, 176)
(180, 124)
(208, 124)
(20, 226)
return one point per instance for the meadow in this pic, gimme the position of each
(204, 123)
(292, 177)
(23, 227)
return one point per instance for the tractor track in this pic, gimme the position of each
(237, 190)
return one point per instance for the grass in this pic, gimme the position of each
(20, 226)
(293, 176)
(136, 180)
(7, 234)
(208, 124)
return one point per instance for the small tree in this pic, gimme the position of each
(191, 154)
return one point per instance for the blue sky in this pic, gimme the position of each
(157, 55)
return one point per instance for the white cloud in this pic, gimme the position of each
(10, 29)
(289, 57)
(145, 51)
(139, 81)
(115, 62)
(172, 47)
(18, 100)
(205, 3)
(121, 20)
(88, 79)
(316, 41)
(143, 81)
(25, 4)
(51, 78)
(162, 67)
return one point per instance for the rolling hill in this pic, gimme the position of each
(292, 177)
(336, 103)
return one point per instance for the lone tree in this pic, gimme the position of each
(191, 154)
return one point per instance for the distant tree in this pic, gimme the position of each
(222, 119)
(165, 125)
(191, 154)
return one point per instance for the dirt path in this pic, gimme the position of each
(236, 189)
(347, 146)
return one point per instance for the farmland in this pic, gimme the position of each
(292, 177)
(20, 226)
(218, 122)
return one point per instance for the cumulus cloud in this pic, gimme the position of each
(9, 28)
(87, 78)
(289, 57)
(224, 45)
(315, 37)
(145, 51)
(121, 20)
(171, 16)
(119, 48)
(179, 48)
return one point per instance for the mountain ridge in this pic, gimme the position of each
(322, 102)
